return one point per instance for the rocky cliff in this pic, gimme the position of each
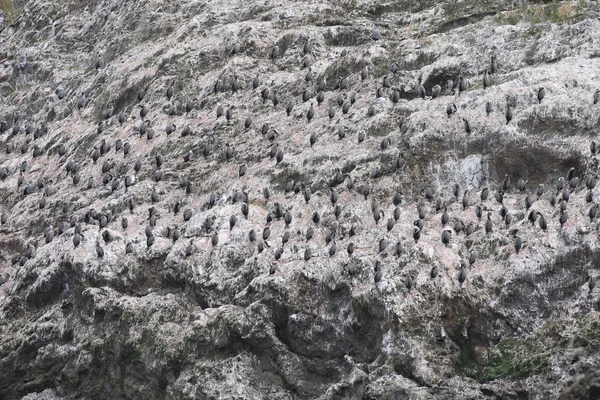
(297, 200)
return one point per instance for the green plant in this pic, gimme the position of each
(515, 358)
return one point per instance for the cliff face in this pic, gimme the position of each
(197, 307)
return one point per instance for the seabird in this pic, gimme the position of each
(508, 114)
(489, 224)
(540, 94)
(99, 250)
(493, 67)
(450, 109)
(311, 112)
(375, 34)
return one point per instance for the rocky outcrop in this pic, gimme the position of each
(120, 280)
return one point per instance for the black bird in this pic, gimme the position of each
(506, 183)
(499, 196)
(484, 193)
(307, 254)
(488, 108)
(416, 234)
(446, 237)
(592, 212)
(408, 283)
(307, 194)
(470, 229)
(508, 114)
(528, 201)
(462, 275)
(450, 109)
(311, 113)
(542, 221)
(445, 217)
(592, 283)
(99, 250)
(350, 248)
(518, 244)
(434, 272)
(489, 224)
(540, 94)
(563, 218)
(465, 200)
(486, 79)
(473, 257)
(398, 250)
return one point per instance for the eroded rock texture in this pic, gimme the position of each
(141, 256)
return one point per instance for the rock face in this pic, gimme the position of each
(197, 200)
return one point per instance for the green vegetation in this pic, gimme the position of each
(554, 11)
(515, 358)
(7, 7)
(130, 352)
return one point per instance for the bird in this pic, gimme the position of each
(435, 91)
(307, 254)
(171, 90)
(489, 224)
(463, 84)
(470, 229)
(488, 108)
(486, 79)
(446, 237)
(473, 257)
(506, 183)
(597, 96)
(532, 217)
(467, 125)
(416, 233)
(540, 94)
(421, 91)
(508, 114)
(398, 249)
(408, 283)
(499, 196)
(462, 275)
(434, 272)
(310, 113)
(592, 283)
(450, 109)
(528, 202)
(278, 253)
(375, 34)
(465, 200)
(484, 193)
(99, 250)
(563, 218)
(518, 244)
(493, 66)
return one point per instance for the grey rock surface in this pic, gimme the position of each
(194, 308)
